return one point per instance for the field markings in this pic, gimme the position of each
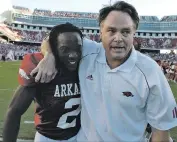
(20, 140)
(15, 64)
(29, 122)
(8, 89)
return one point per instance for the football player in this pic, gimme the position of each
(57, 113)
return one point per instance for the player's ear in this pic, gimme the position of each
(101, 29)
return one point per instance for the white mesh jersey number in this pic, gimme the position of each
(69, 104)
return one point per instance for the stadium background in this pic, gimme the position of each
(22, 30)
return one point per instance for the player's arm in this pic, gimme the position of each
(19, 104)
(161, 108)
(46, 70)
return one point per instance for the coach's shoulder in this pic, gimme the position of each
(90, 47)
(146, 62)
(148, 66)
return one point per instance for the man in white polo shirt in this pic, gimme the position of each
(122, 90)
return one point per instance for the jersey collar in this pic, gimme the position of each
(127, 66)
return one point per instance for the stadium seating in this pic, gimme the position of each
(152, 43)
(32, 36)
(41, 12)
(164, 57)
(149, 19)
(75, 14)
(169, 18)
(21, 10)
(38, 36)
(23, 49)
(94, 37)
(17, 49)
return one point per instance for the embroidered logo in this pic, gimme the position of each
(128, 94)
(90, 77)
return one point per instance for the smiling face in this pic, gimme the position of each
(69, 49)
(117, 32)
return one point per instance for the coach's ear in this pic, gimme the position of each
(45, 46)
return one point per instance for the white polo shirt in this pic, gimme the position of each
(118, 103)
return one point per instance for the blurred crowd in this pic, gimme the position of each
(75, 15)
(16, 52)
(152, 43)
(165, 56)
(31, 36)
(42, 12)
(23, 49)
(22, 10)
(167, 62)
(158, 43)
(38, 36)
(169, 69)
(169, 18)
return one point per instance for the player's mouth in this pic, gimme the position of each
(73, 62)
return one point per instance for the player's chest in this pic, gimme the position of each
(60, 88)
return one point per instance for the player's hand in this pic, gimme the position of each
(45, 70)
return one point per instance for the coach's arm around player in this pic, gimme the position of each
(20, 103)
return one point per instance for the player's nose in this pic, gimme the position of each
(73, 55)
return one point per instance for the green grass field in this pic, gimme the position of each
(8, 83)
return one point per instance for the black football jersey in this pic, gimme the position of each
(57, 113)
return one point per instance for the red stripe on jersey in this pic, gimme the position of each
(37, 119)
(175, 112)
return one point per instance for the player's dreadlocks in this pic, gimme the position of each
(53, 37)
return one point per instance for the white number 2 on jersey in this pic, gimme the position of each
(69, 104)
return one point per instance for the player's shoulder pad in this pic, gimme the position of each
(29, 62)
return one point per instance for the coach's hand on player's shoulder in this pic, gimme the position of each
(45, 70)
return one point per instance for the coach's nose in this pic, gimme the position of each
(118, 37)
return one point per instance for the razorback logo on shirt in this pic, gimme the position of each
(90, 77)
(128, 94)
